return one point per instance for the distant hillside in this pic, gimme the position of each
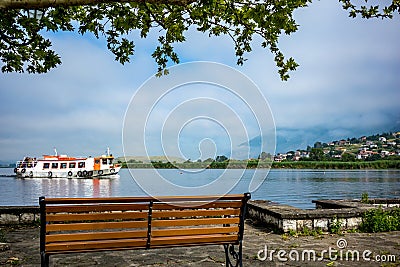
(6, 163)
(145, 159)
(292, 139)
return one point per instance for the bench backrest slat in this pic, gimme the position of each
(96, 245)
(95, 226)
(194, 213)
(198, 205)
(95, 216)
(96, 236)
(92, 208)
(207, 239)
(192, 222)
(174, 199)
(194, 231)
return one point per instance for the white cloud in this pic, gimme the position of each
(348, 68)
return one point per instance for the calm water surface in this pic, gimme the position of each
(294, 187)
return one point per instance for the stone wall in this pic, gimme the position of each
(287, 218)
(282, 217)
(19, 215)
(356, 203)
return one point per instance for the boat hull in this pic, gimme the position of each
(32, 173)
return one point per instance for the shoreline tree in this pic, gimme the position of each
(23, 48)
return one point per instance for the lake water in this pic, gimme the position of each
(293, 187)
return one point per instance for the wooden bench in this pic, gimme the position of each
(70, 225)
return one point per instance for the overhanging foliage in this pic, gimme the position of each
(23, 47)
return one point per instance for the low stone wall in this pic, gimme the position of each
(287, 218)
(281, 217)
(19, 215)
(356, 203)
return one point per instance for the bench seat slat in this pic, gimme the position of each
(197, 213)
(95, 226)
(194, 231)
(182, 240)
(94, 245)
(64, 217)
(190, 222)
(54, 238)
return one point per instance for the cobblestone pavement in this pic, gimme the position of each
(21, 248)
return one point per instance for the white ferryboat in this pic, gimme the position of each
(62, 166)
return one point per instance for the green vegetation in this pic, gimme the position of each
(364, 198)
(324, 165)
(2, 236)
(230, 164)
(335, 226)
(380, 220)
(304, 232)
(379, 164)
(24, 46)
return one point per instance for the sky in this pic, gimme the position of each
(347, 85)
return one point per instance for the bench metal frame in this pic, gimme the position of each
(76, 225)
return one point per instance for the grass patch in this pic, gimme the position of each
(304, 232)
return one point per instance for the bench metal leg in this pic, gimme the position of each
(44, 260)
(236, 255)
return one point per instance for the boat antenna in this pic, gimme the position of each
(55, 151)
(108, 151)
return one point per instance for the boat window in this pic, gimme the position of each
(72, 164)
(63, 165)
(81, 164)
(97, 161)
(110, 161)
(104, 161)
(46, 165)
(54, 165)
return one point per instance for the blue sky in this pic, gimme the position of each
(347, 85)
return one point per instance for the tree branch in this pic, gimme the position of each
(37, 4)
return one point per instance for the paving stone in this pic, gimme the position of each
(23, 245)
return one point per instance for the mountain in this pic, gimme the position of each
(285, 141)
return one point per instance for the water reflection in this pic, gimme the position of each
(292, 187)
(75, 187)
(27, 191)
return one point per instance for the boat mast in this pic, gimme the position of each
(55, 151)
